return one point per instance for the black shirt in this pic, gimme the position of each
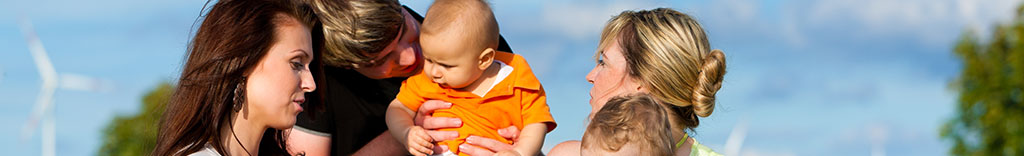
(354, 105)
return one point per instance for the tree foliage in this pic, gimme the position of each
(136, 134)
(989, 115)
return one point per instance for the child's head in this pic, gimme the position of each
(459, 38)
(629, 125)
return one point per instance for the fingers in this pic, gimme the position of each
(440, 148)
(443, 135)
(431, 105)
(419, 142)
(510, 133)
(487, 143)
(426, 110)
(441, 122)
(474, 151)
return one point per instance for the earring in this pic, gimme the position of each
(239, 98)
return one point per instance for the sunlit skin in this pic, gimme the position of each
(610, 78)
(401, 58)
(455, 65)
(275, 87)
(452, 63)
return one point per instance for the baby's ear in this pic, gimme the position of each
(486, 57)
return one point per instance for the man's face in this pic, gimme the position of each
(401, 58)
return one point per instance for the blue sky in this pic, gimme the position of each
(839, 77)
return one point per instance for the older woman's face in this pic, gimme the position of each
(402, 58)
(610, 77)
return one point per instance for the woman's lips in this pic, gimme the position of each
(298, 104)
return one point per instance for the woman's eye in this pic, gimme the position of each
(600, 62)
(296, 65)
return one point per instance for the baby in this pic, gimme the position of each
(488, 89)
(628, 125)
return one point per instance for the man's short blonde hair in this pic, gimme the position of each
(354, 30)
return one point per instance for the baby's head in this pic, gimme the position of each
(459, 38)
(629, 125)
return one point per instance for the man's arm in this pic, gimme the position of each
(383, 144)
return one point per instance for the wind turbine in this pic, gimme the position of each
(45, 108)
(736, 137)
(44, 102)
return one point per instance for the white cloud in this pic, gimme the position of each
(932, 22)
(584, 20)
(91, 10)
(741, 11)
(791, 31)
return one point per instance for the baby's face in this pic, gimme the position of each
(449, 61)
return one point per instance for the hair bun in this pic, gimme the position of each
(709, 80)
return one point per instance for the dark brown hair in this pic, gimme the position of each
(231, 40)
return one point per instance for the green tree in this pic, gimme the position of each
(136, 134)
(989, 117)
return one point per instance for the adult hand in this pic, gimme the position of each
(482, 146)
(424, 118)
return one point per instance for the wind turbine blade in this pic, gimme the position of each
(736, 137)
(70, 81)
(44, 103)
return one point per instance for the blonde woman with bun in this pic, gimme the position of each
(666, 54)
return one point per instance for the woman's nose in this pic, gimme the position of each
(591, 75)
(308, 85)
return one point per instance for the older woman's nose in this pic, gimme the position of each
(591, 75)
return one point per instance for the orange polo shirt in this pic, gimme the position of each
(517, 100)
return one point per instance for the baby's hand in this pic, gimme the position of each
(419, 143)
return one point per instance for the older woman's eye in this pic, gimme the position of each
(600, 62)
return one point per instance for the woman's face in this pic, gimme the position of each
(402, 58)
(275, 87)
(610, 77)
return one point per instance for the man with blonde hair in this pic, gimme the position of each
(368, 48)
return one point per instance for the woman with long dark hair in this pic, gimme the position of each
(245, 77)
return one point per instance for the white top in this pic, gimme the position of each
(206, 151)
(503, 72)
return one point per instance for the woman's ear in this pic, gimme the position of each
(638, 85)
(486, 57)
